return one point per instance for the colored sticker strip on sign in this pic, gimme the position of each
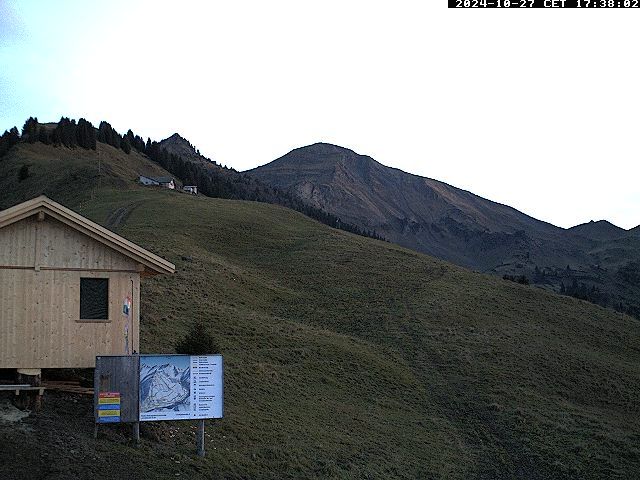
(108, 407)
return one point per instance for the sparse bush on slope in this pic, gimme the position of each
(198, 341)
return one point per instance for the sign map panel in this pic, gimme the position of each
(180, 387)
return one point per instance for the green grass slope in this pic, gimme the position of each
(69, 175)
(347, 357)
(350, 357)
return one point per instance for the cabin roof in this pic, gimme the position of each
(153, 264)
(158, 179)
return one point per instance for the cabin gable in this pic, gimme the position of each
(51, 244)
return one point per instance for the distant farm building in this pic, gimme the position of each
(192, 189)
(166, 182)
(69, 288)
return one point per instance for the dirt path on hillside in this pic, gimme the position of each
(119, 216)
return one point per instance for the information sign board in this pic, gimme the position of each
(180, 387)
(108, 407)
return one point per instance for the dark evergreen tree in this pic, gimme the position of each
(86, 134)
(125, 145)
(130, 139)
(65, 133)
(106, 134)
(138, 144)
(198, 341)
(8, 140)
(30, 130)
(103, 132)
(44, 136)
(92, 137)
(23, 173)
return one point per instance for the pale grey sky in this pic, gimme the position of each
(537, 109)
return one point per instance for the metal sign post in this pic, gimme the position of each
(200, 438)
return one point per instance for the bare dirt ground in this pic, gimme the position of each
(57, 443)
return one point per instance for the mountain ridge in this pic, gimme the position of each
(325, 147)
(456, 225)
(316, 150)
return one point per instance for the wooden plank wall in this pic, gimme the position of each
(63, 247)
(17, 243)
(40, 297)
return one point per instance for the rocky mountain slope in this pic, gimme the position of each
(179, 145)
(435, 218)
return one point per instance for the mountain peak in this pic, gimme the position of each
(597, 223)
(321, 148)
(179, 145)
(602, 224)
(176, 137)
(320, 160)
(598, 230)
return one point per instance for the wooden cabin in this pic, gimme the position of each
(69, 288)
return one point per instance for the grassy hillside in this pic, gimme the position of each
(347, 357)
(69, 175)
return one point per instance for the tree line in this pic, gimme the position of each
(593, 294)
(585, 292)
(212, 179)
(521, 279)
(65, 133)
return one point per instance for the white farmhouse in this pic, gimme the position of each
(166, 182)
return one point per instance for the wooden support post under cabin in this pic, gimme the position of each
(27, 398)
(136, 432)
(200, 438)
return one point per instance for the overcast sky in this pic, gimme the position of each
(537, 109)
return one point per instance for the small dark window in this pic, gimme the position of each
(94, 299)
